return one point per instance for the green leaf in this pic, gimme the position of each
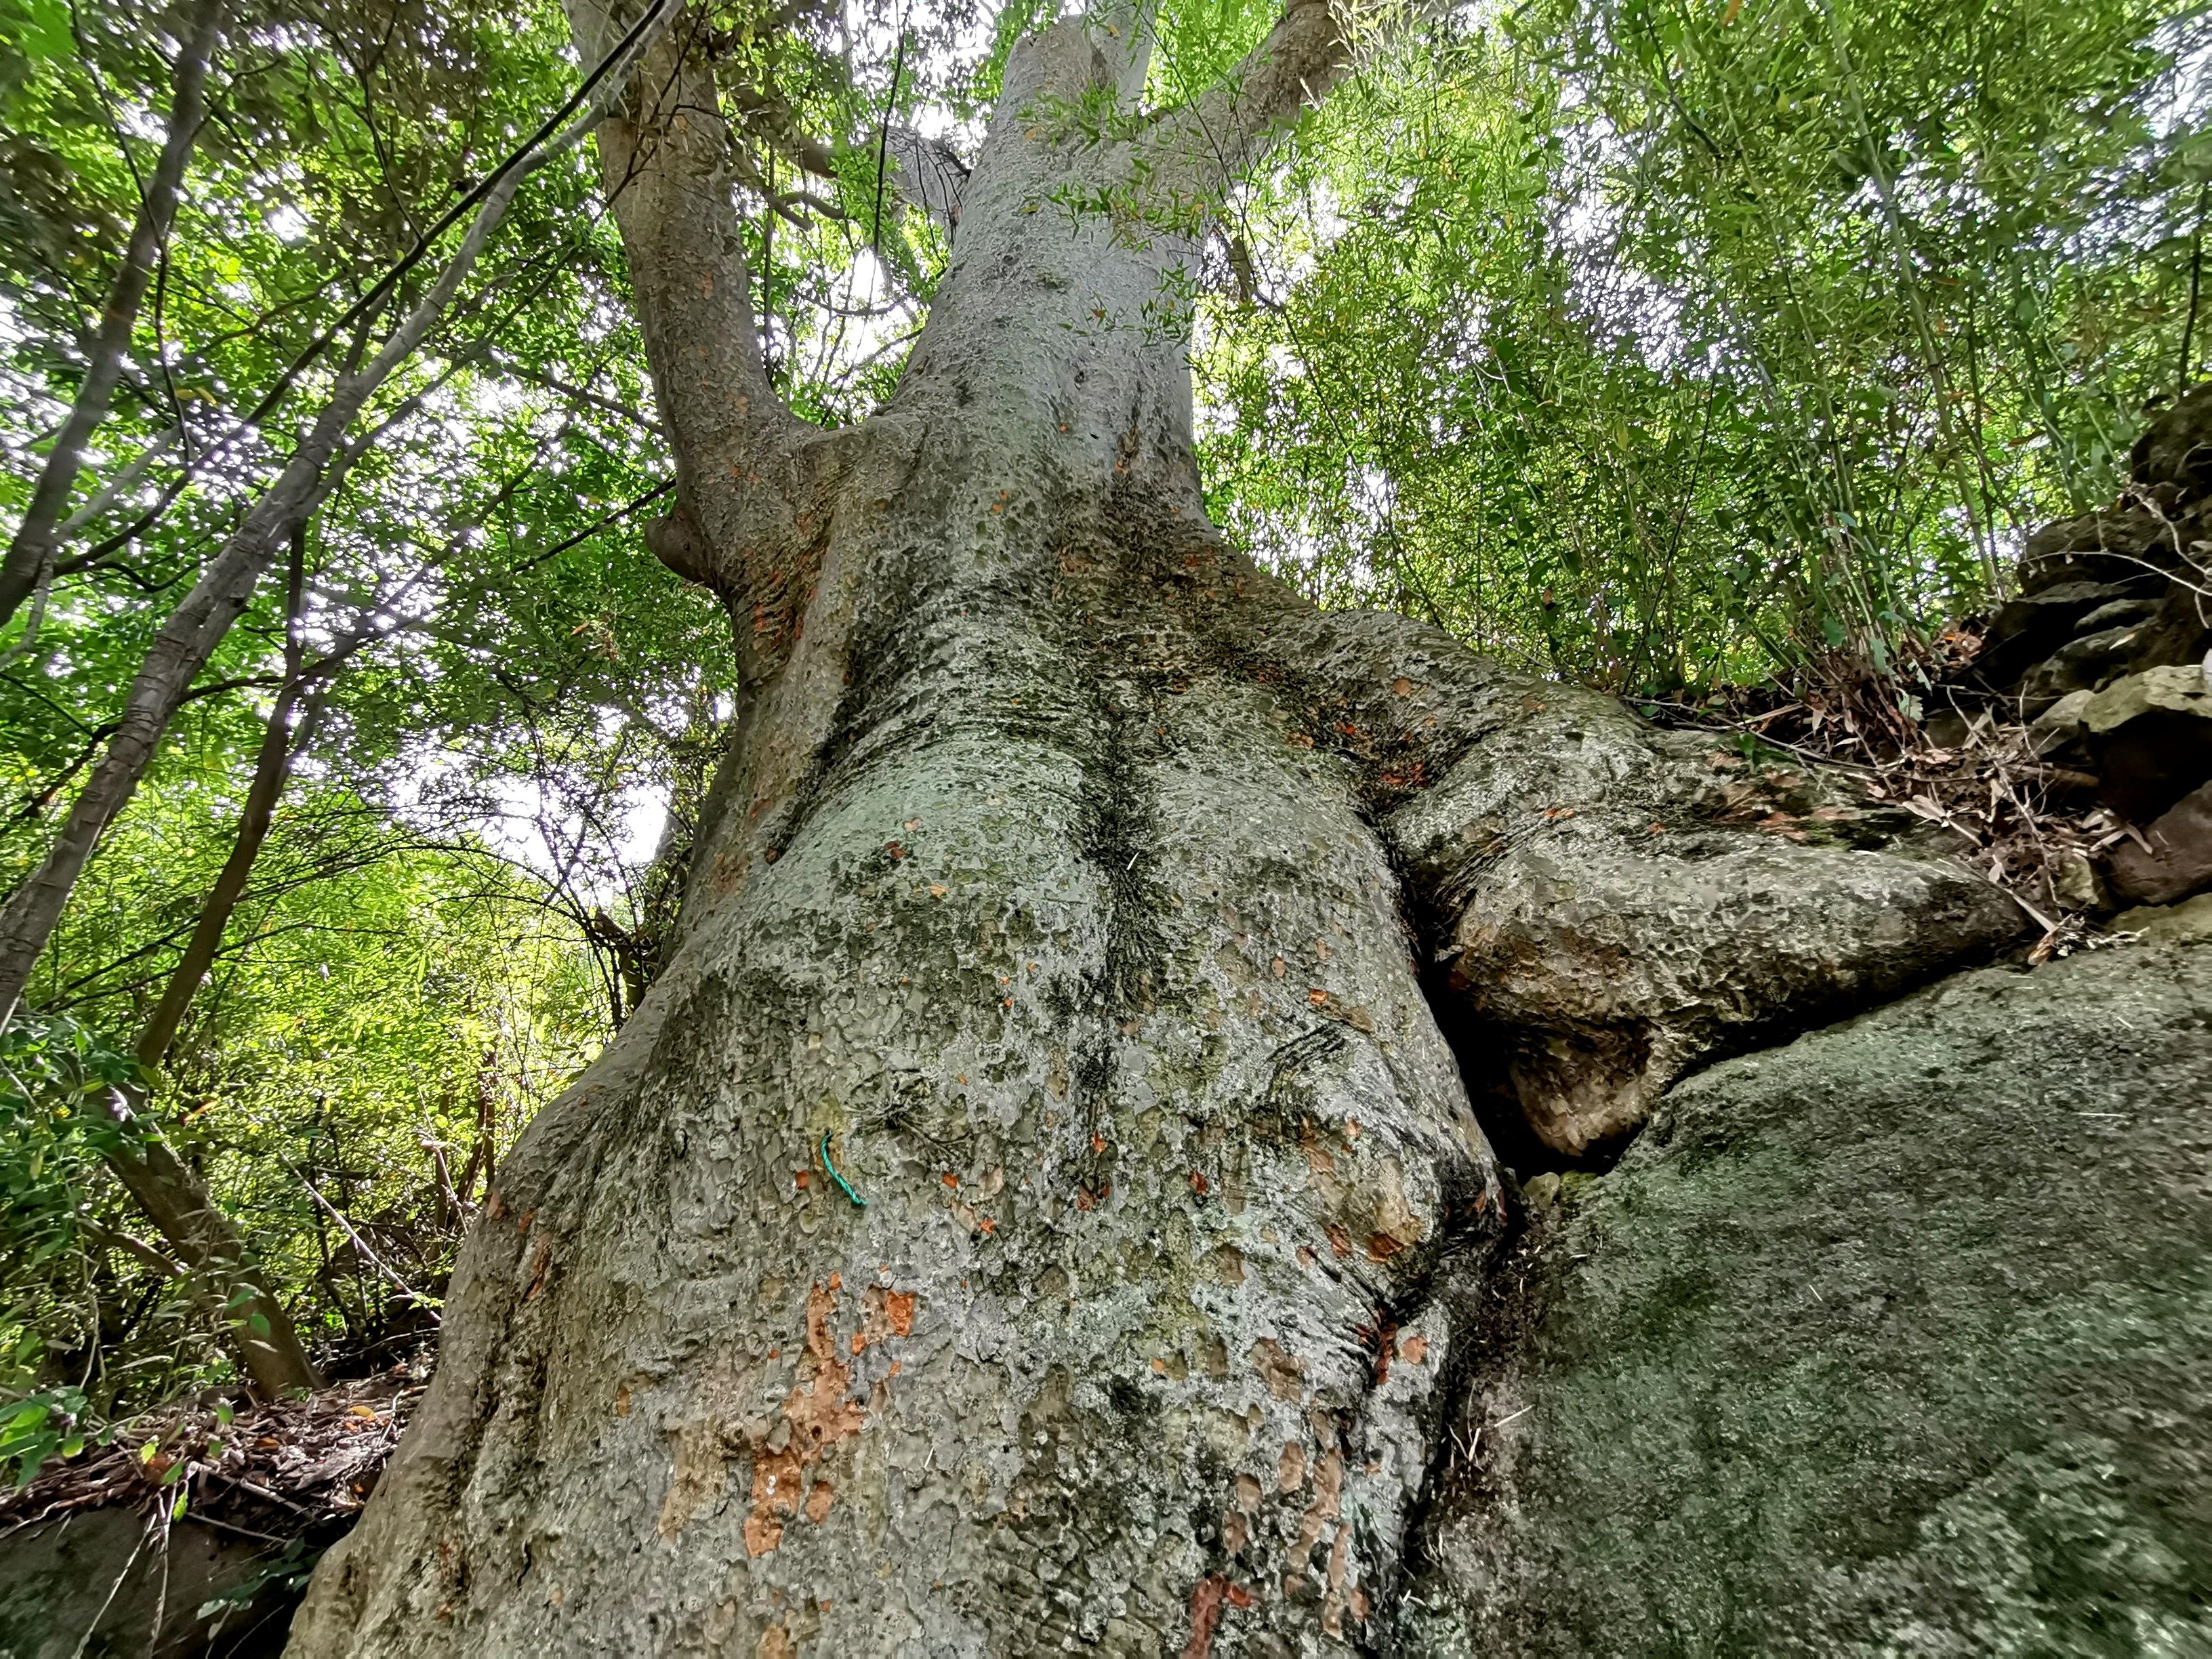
(41, 28)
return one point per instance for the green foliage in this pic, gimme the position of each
(59, 1083)
(34, 1427)
(500, 680)
(1655, 344)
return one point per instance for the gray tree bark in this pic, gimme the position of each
(1037, 1206)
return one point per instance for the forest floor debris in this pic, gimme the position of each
(274, 1472)
(2033, 827)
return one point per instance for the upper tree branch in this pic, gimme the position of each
(668, 160)
(1225, 130)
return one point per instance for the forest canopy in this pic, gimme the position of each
(1653, 345)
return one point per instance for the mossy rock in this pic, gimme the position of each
(1895, 1340)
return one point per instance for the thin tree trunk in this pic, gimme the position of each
(272, 767)
(199, 623)
(33, 546)
(250, 1316)
(254, 1321)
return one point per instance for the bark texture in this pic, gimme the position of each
(1036, 1206)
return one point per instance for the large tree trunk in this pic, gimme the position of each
(1034, 1208)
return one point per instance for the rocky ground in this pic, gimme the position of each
(1894, 1341)
(2098, 662)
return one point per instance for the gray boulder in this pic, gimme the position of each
(2176, 449)
(2174, 857)
(117, 1583)
(1895, 1340)
(2151, 736)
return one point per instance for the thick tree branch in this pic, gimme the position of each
(741, 487)
(1227, 129)
(1122, 32)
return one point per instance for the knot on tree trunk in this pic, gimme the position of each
(677, 543)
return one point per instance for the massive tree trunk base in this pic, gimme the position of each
(1036, 1207)
(1032, 1210)
(1095, 989)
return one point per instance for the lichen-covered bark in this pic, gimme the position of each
(1027, 1213)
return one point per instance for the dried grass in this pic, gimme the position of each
(2033, 828)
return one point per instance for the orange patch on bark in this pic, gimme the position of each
(537, 1269)
(1284, 1376)
(1207, 1597)
(818, 1412)
(818, 1499)
(777, 1478)
(1328, 1489)
(1414, 1349)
